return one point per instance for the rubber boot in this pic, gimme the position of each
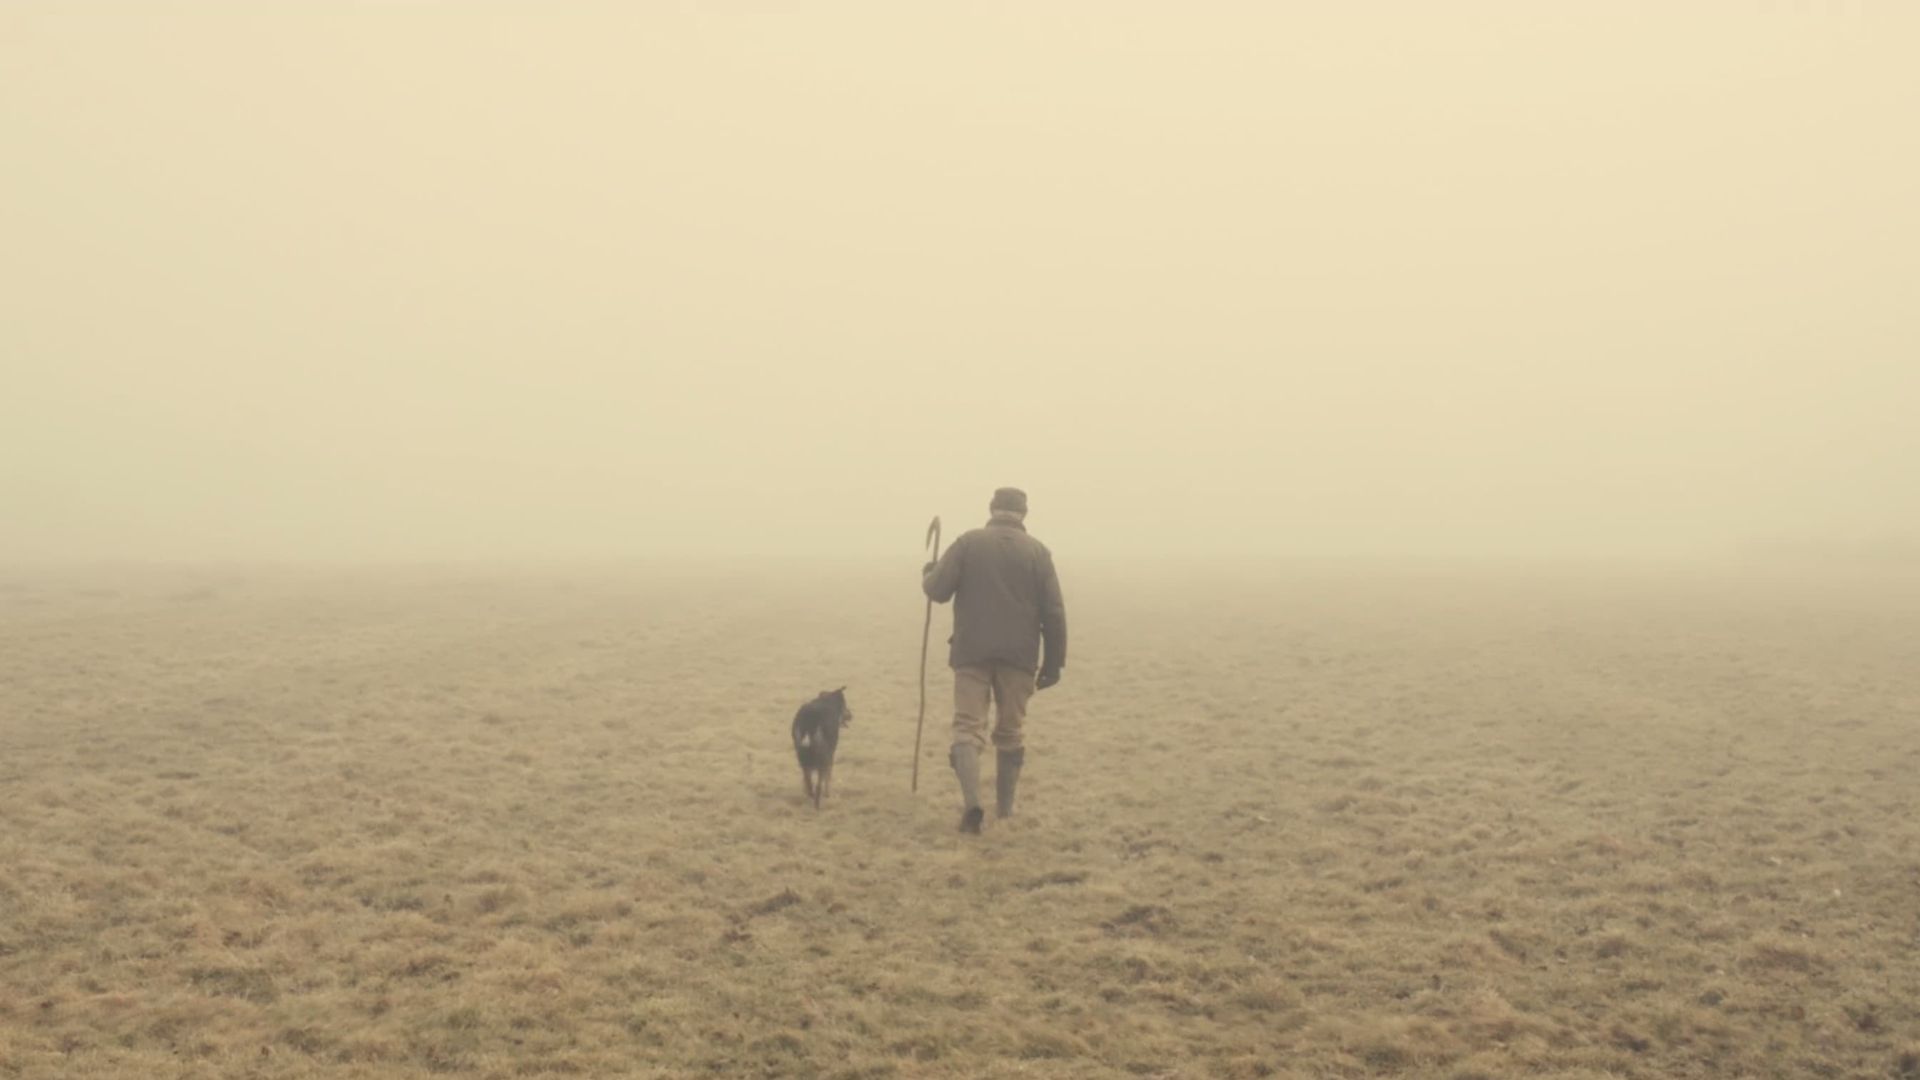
(1005, 777)
(965, 758)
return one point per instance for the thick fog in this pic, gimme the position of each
(412, 280)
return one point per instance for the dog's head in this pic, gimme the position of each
(838, 700)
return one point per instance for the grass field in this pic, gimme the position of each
(386, 823)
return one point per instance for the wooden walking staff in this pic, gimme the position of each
(926, 634)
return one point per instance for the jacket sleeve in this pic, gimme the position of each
(1053, 619)
(943, 580)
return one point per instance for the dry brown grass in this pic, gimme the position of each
(395, 824)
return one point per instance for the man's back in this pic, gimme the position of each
(1006, 598)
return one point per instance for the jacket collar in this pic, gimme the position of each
(1008, 519)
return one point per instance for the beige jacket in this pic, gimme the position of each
(1006, 598)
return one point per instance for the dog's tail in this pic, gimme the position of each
(808, 740)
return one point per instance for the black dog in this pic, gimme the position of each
(816, 735)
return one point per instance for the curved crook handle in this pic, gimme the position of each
(933, 536)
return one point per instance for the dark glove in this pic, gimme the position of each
(1048, 676)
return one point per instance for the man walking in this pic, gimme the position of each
(1006, 610)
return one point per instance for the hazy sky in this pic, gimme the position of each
(468, 280)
